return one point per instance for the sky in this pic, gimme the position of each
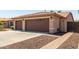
(14, 13)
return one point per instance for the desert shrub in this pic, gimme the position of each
(1, 26)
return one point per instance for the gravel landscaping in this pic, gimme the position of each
(71, 43)
(33, 43)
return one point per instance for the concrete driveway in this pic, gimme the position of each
(10, 37)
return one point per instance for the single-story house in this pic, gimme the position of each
(6, 22)
(51, 22)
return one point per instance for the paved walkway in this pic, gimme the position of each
(57, 42)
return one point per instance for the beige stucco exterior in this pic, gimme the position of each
(63, 26)
(23, 25)
(55, 23)
(14, 24)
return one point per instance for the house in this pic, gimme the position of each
(51, 22)
(6, 22)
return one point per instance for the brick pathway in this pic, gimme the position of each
(56, 43)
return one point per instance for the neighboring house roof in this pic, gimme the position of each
(4, 19)
(59, 14)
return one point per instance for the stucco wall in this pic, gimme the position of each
(53, 24)
(61, 24)
(64, 22)
(23, 25)
(14, 24)
(69, 18)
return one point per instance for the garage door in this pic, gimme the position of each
(18, 25)
(41, 25)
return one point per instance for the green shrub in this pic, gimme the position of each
(1, 26)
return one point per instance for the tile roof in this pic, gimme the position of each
(4, 19)
(64, 14)
(34, 14)
(61, 14)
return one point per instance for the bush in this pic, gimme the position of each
(12, 27)
(1, 26)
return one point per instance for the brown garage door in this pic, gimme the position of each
(18, 25)
(41, 25)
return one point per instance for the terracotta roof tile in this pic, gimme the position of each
(64, 14)
(35, 14)
(61, 14)
(4, 19)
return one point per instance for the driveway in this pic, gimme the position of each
(10, 37)
(33, 43)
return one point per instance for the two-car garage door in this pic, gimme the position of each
(41, 25)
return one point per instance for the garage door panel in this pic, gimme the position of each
(18, 25)
(38, 25)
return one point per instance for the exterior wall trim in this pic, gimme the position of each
(36, 18)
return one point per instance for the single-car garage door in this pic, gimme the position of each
(18, 25)
(41, 25)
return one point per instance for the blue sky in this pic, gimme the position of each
(14, 13)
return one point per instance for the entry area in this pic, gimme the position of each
(18, 25)
(40, 25)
